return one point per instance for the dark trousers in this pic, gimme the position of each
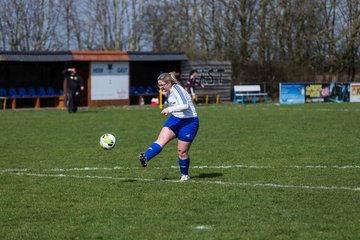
(71, 100)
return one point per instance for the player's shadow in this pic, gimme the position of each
(202, 175)
(208, 175)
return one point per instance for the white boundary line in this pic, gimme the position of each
(191, 167)
(83, 177)
(267, 167)
(243, 184)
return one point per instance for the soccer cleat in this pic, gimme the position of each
(184, 178)
(142, 159)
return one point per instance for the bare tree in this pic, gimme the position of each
(135, 24)
(288, 40)
(29, 25)
(350, 16)
(155, 25)
(191, 28)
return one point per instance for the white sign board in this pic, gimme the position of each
(355, 92)
(109, 80)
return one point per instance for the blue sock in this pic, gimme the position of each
(152, 151)
(184, 166)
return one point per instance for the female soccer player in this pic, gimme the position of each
(183, 124)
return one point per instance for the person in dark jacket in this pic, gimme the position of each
(74, 83)
(192, 82)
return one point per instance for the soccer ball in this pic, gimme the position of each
(107, 141)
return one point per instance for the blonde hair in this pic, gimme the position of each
(168, 77)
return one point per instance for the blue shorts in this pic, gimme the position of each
(185, 129)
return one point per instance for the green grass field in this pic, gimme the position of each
(258, 172)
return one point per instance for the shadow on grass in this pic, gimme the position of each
(208, 175)
(202, 175)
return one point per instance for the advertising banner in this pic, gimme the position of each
(355, 92)
(339, 92)
(291, 93)
(327, 92)
(109, 80)
(316, 92)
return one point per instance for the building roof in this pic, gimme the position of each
(64, 56)
(81, 55)
(90, 55)
(157, 56)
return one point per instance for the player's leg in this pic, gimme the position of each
(70, 100)
(186, 136)
(165, 136)
(75, 101)
(184, 159)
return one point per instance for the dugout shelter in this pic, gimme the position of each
(111, 78)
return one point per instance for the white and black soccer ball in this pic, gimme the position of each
(107, 141)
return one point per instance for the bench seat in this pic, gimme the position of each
(244, 93)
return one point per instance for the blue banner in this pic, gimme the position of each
(292, 93)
